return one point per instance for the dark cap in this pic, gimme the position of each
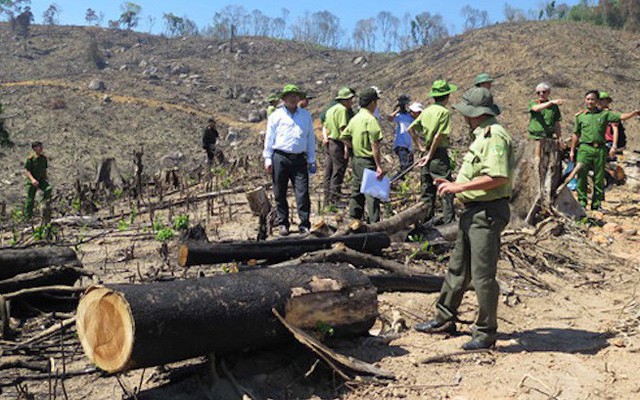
(367, 96)
(35, 144)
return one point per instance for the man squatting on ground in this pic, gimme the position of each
(589, 136)
(484, 186)
(289, 154)
(35, 168)
(363, 135)
(336, 119)
(434, 125)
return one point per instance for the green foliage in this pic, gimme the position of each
(325, 328)
(76, 204)
(165, 234)
(181, 222)
(17, 215)
(425, 248)
(123, 225)
(331, 208)
(157, 225)
(44, 232)
(130, 15)
(133, 215)
(118, 192)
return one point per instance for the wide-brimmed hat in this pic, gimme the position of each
(441, 88)
(345, 93)
(289, 89)
(483, 78)
(604, 95)
(416, 107)
(477, 101)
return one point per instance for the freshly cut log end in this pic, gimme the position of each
(183, 255)
(126, 326)
(106, 328)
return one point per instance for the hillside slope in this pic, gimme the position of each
(162, 90)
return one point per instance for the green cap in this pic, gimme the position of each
(477, 101)
(604, 95)
(273, 97)
(345, 93)
(483, 78)
(441, 88)
(367, 96)
(290, 88)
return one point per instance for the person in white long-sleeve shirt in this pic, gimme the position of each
(289, 155)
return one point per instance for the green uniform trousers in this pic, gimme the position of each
(475, 259)
(438, 167)
(592, 159)
(357, 201)
(31, 195)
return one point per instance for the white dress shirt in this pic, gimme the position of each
(291, 133)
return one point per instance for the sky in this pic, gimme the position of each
(349, 12)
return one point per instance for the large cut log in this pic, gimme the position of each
(122, 327)
(19, 261)
(275, 250)
(57, 275)
(404, 283)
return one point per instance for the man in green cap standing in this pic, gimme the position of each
(483, 80)
(336, 119)
(484, 186)
(273, 100)
(589, 136)
(36, 171)
(289, 155)
(434, 125)
(363, 134)
(614, 130)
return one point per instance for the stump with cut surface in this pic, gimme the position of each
(123, 327)
(276, 250)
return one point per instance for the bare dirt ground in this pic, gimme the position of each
(578, 340)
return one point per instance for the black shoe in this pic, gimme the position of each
(477, 344)
(284, 230)
(435, 326)
(304, 230)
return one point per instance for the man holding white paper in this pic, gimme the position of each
(363, 135)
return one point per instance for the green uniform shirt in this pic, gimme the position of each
(37, 166)
(270, 110)
(434, 119)
(491, 153)
(363, 129)
(591, 126)
(541, 124)
(336, 120)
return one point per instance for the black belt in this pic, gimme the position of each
(594, 144)
(288, 155)
(472, 204)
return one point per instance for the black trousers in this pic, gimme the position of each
(335, 167)
(291, 167)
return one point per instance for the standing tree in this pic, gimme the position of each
(388, 26)
(260, 23)
(173, 25)
(513, 14)
(93, 18)
(474, 18)
(631, 11)
(130, 15)
(427, 28)
(364, 35)
(51, 15)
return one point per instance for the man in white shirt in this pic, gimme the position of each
(289, 155)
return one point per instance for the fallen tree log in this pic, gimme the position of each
(19, 261)
(404, 283)
(275, 250)
(49, 276)
(122, 327)
(398, 222)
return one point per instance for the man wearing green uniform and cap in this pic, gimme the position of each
(484, 186)
(434, 124)
(273, 100)
(544, 123)
(336, 119)
(483, 80)
(36, 171)
(363, 134)
(589, 136)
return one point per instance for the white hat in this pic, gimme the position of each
(416, 107)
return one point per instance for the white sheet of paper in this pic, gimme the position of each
(373, 187)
